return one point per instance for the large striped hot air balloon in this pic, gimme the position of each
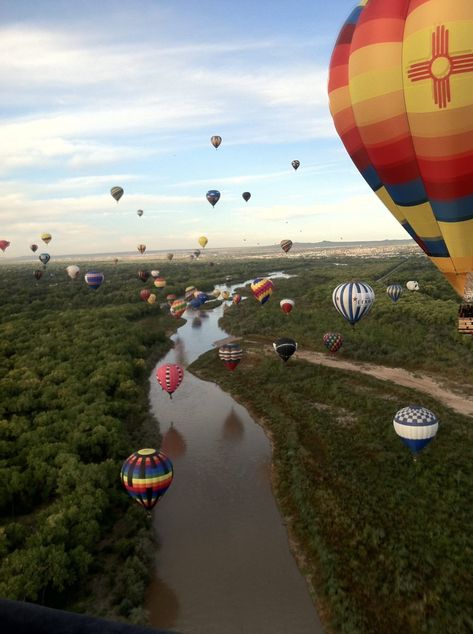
(230, 354)
(394, 291)
(401, 96)
(416, 426)
(169, 377)
(353, 300)
(147, 475)
(262, 289)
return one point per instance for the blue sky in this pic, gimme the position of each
(97, 94)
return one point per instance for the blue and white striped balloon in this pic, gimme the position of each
(416, 426)
(353, 300)
(394, 291)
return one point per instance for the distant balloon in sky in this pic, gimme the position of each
(73, 271)
(295, 164)
(412, 285)
(38, 274)
(140, 212)
(394, 291)
(147, 475)
(286, 305)
(246, 196)
(4, 244)
(44, 258)
(353, 300)
(141, 248)
(117, 193)
(94, 279)
(170, 256)
(416, 426)
(286, 245)
(46, 238)
(169, 377)
(285, 347)
(34, 247)
(213, 196)
(215, 141)
(203, 242)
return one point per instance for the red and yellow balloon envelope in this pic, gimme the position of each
(286, 305)
(160, 282)
(262, 289)
(230, 354)
(152, 299)
(178, 308)
(236, 299)
(333, 341)
(145, 294)
(147, 475)
(169, 377)
(401, 96)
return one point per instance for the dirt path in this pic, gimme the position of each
(460, 403)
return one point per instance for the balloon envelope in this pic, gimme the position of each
(333, 341)
(286, 305)
(401, 96)
(295, 164)
(262, 289)
(353, 300)
(285, 347)
(230, 354)
(236, 299)
(178, 307)
(34, 247)
(412, 285)
(215, 140)
(286, 245)
(203, 242)
(73, 271)
(139, 212)
(117, 193)
(147, 475)
(141, 248)
(160, 282)
(4, 244)
(44, 258)
(213, 196)
(94, 279)
(46, 238)
(38, 274)
(155, 273)
(143, 275)
(394, 291)
(170, 256)
(246, 196)
(145, 294)
(169, 377)
(416, 426)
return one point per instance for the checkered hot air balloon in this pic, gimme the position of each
(333, 341)
(353, 300)
(401, 96)
(230, 354)
(262, 289)
(416, 426)
(169, 377)
(147, 475)
(94, 279)
(286, 245)
(394, 291)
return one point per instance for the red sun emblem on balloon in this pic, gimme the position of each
(441, 66)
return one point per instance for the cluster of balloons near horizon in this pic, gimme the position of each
(401, 97)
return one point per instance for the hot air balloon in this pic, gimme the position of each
(139, 212)
(412, 285)
(94, 279)
(170, 256)
(203, 241)
(353, 300)
(46, 238)
(189, 292)
(155, 273)
(117, 193)
(236, 299)
(115, 261)
(143, 275)
(34, 247)
(170, 298)
(141, 248)
(215, 141)
(262, 289)
(73, 271)
(169, 377)
(295, 164)
(333, 341)
(197, 253)
(230, 354)
(285, 347)
(178, 308)
(416, 426)
(4, 244)
(160, 282)
(286, 245)
(224, 295)
(147, 475)
(213, 196)
(287, 305)
(152, 299)
(145, 294)
(38, 274)
(44, 258)
(401, 96)
(394, 291)
(246, 196)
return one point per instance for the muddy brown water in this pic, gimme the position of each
(223, 564)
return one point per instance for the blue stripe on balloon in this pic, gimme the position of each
(416, 445)
(436, 247)
(408, 194)
(371, 177)
(453, 210)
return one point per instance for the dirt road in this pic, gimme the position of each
(461, 403)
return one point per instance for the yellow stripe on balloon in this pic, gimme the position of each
(422, 220)
(458, 236)
(436, 12)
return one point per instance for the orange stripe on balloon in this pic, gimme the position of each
(442, 147)
(386, 31)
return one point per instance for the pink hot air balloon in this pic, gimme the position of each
(4, 244)
(169, 377)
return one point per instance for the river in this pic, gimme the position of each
(223, 564)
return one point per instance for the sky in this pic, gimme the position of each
(129, 92)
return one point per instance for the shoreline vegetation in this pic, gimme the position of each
(384, 543)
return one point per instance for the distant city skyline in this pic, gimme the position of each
(129, 93)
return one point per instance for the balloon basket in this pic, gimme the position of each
(465, 319)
